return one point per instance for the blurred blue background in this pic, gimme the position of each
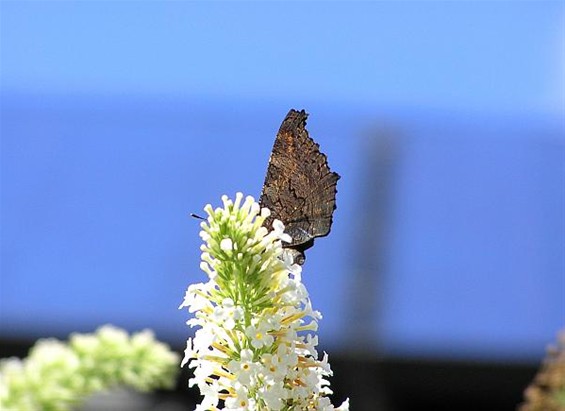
(445, 121)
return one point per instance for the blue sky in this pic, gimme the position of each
(491, 56)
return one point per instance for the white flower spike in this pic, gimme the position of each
(254, 349)
(59, 376)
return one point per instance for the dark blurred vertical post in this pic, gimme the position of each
(379, 154)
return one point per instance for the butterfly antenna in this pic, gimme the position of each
(197, 216)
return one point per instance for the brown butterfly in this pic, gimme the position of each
(299, 187)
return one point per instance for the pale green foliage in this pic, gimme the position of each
(57, 376)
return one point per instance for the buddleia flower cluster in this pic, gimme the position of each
(255, 344)
(58, 376)
(547, 391)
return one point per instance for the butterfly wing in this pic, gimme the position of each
(299, 188)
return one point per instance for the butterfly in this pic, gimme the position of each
(299, 189)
